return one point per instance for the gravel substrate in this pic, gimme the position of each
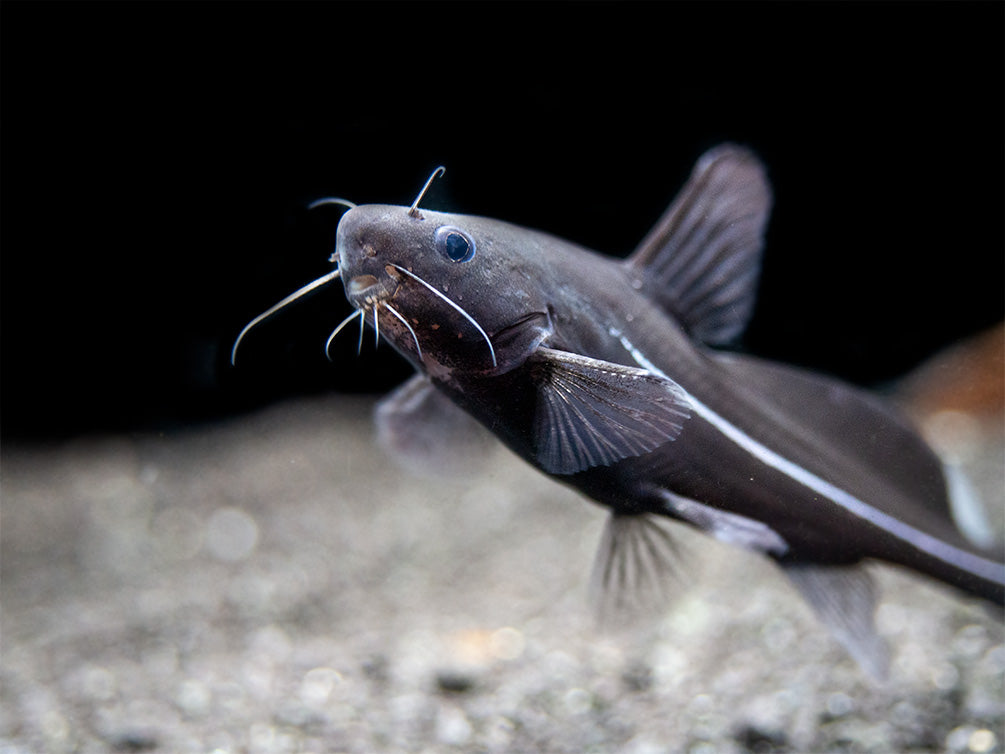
(278, 584)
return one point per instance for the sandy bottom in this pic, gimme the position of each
(278, 584)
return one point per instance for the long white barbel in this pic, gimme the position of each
(468, 317)
(299, 293)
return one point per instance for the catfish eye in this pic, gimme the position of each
(454, 244)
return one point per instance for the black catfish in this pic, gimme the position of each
(599, 372)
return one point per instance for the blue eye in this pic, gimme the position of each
(455, 244)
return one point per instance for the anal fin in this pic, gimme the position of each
(844, 598)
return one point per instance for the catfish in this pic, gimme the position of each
(610, 376)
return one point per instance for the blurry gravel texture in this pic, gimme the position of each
(278, 584)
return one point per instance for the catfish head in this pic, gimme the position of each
(452, 293)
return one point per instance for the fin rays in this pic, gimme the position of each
(636, 570)
(702, 259)
(844, 599)
(594, 413)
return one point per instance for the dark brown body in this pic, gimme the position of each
(605, 375)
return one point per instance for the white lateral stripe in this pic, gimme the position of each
(982, 567)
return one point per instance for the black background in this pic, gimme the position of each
(157, 160)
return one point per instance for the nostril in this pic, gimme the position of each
(360, 283)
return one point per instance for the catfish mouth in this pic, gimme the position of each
(368, 295)
(366, 291)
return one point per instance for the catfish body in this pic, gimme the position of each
(603, 374)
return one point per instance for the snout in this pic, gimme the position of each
(367, 232)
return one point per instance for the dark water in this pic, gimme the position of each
(155, 180)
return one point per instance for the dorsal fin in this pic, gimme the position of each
(702, 259)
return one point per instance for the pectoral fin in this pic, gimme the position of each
(594, 413)
(422, 429)
(844, 598)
